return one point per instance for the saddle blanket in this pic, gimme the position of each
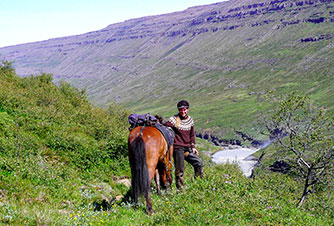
(167, 132)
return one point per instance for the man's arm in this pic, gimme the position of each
(193, 140)
(173, 122)
(169, 124)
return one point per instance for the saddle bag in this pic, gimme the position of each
(141, 120)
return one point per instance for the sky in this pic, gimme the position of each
(23, 21)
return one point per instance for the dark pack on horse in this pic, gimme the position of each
(149, 155)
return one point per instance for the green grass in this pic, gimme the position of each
(61, 159)
(223, 197)
(51, 140)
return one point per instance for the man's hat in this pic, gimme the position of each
(183, 104)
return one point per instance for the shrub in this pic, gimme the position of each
(304, 135)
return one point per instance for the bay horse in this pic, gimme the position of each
(148, 154)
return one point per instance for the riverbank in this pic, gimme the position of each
(240, 155)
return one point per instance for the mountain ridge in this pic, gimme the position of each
(222, 57)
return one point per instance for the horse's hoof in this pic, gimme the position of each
(150, 211)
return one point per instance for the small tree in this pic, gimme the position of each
(304, 136)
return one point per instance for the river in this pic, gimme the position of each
(241, 156)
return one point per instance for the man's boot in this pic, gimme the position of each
(196, 162)
(179, 181)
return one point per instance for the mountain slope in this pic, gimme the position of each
(222, 57)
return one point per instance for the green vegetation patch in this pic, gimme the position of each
(64, 162)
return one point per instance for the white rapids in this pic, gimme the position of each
(241, 156)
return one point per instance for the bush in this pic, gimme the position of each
(304, 135)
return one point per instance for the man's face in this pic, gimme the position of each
(183, 112)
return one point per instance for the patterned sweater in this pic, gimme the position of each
(184, 131)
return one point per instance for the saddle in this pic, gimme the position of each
(150, 120)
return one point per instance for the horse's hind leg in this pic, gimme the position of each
(149, 203)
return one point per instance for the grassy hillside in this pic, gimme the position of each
(52, 142)
(221, 57)
(258, 62)
(60, 157)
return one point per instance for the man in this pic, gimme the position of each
(184, 143)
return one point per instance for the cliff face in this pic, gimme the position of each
(249, 45)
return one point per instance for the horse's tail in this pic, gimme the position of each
(140, 178)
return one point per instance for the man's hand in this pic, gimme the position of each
(195, 151)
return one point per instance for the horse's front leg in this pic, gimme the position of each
(169, 166)
(166, 177)
(149, 209)
(169, 177)
(157, 180)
